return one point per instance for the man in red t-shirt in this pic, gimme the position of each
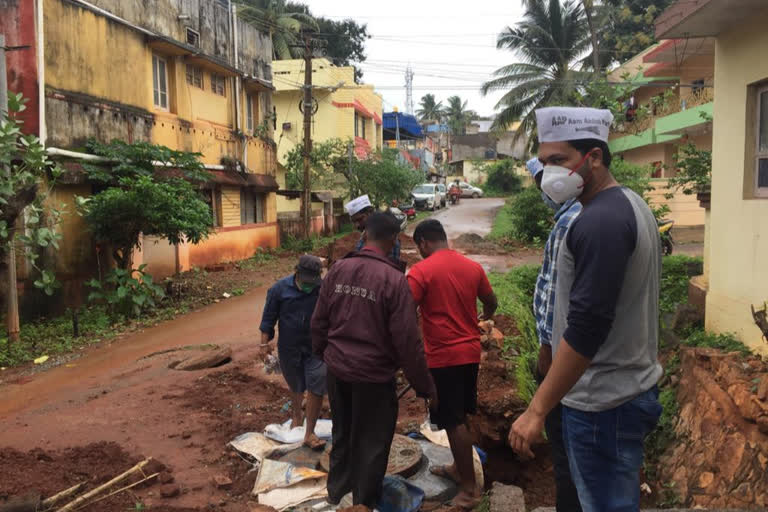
(446, 286)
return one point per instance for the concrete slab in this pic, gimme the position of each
(434, 487)
(506, 498)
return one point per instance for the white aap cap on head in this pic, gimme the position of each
(556, 124)
(358, 204)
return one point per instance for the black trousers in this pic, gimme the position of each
(566, 498)
(364, 419)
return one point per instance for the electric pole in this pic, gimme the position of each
(13, 298)
(307, 195)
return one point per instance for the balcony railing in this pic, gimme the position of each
(653, 110)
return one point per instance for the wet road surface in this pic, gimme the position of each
(469, 216)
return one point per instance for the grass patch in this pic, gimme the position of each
(56, 336)
(515, 291)
(502, 224)
(725, 342)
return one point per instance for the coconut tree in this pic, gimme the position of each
(282, 20)
(429, 108)
(550, 40)
(457, 115)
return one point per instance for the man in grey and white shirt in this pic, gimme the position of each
(605, 333)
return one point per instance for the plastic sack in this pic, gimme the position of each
(285, 434)
(259, 446)
(274, 474)
(399, 495)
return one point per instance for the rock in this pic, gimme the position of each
(706, 479)
(506, 498)
(170, 491)
(486, 326)
(687, 316)
(165, 478)
(762, 424)
(762, 388)
(209, 359)
(222, 481)
(497, 337)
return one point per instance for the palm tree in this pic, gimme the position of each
(281, 20)
(457, 115)
(429, 109)
(550, 39)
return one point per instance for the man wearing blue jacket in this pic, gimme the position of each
(290, 303)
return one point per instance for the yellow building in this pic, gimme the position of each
(673, 79)
(736, 274)
(191, 79)
(344, 110)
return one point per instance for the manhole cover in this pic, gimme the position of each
(404, 457)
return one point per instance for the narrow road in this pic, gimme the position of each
(469, 216)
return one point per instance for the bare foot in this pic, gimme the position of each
(448, 472)
(314, 442)
(466, 501)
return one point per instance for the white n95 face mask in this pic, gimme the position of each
(561, 183)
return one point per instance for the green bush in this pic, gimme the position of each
(502, 180)
(725, 342)
(676, 271)
(127, 293)
(525, 218)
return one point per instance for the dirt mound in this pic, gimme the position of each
(48, 472)
(472, 243)
(721, 453)
(506, 324)
(235, 402)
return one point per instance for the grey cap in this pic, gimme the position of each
(309, 269)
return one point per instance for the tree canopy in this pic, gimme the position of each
(139, 199)
(382, 176)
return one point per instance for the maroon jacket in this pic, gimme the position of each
(365, 325)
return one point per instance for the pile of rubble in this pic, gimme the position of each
(721, 453)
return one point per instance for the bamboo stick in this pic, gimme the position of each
(118, 491)
(49, 502)
(119, 478)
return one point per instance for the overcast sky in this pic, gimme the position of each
(450, 44)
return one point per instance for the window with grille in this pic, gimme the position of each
(761, 146)
(193, 38)
(252, 207)
(357, 124)
(213, 199)
(194, 76)
(219, 84)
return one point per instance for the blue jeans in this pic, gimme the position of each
(605, 452)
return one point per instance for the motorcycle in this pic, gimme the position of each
(455, 195)
(665, 232)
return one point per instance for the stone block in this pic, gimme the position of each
(506, 498)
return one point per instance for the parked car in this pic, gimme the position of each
(426, 197)
(443, 194)
(400, 216)
(468, 190)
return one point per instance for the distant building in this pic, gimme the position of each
(175, 76)
(674, 79)
(735, 272)
(343, 109)
(470, 152)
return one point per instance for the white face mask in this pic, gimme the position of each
(561, 183)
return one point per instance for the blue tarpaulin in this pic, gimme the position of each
(409, 125)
